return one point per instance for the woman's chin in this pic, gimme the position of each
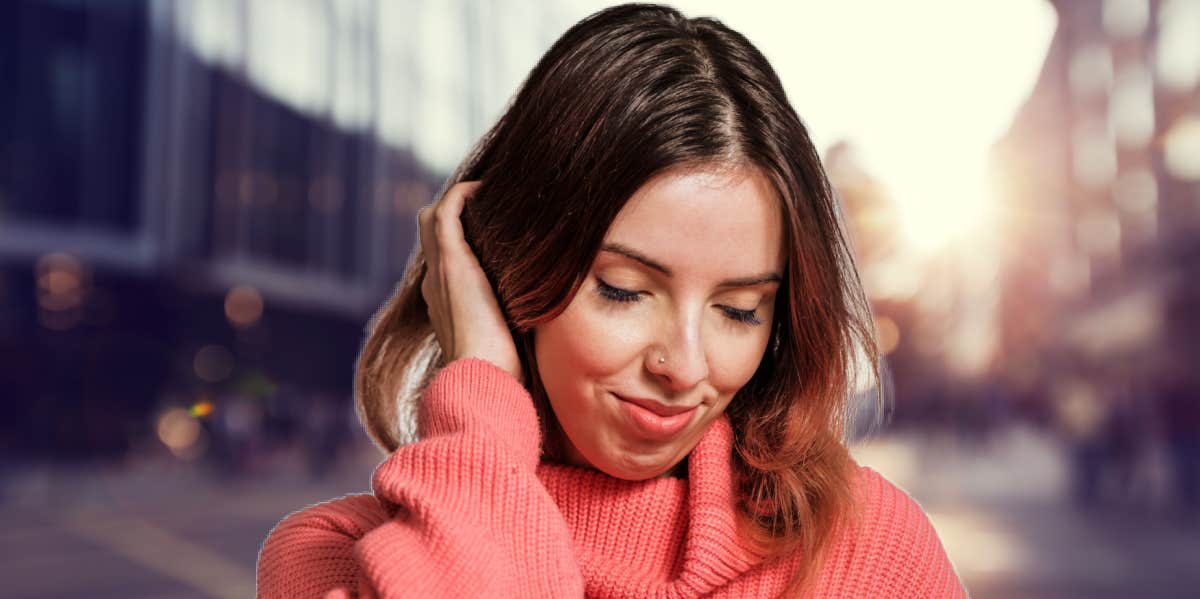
(632, 461)
(636, 470)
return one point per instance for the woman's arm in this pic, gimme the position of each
(461, 513)
(469, 517)
(464, 512)
(310, 553)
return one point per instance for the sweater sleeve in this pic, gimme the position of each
(462, 512)
(310, 552)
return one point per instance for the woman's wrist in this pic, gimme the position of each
(475, 394)
(509, 366)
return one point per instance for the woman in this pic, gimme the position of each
(631, 331)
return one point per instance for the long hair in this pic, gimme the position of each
(624, 94)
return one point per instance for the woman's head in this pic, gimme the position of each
(674, 314)
(645, 128)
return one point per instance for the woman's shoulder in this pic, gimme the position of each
(888, 513)
(894, 543)
(884, 499)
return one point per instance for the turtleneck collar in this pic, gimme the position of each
(657, 537)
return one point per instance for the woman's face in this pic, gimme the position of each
(688, 271)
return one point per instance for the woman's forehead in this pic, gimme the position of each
(703, 221)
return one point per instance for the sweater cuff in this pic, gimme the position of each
(472, 394)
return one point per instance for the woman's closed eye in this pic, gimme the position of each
(616, 294)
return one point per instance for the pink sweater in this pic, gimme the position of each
(469, 511)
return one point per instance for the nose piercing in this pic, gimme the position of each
(661, 359)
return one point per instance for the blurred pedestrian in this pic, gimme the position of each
(1081, 417)
(1181, 418)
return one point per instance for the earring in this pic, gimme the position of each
(775, 340)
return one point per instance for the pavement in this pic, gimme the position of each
(1002, 511)
(161, 527)
(157, 527)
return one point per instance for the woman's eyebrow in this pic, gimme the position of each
(628, 252)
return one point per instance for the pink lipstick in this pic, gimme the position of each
(653, 420)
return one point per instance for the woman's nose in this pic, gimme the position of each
(679, 356)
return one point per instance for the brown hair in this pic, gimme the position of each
(627, 93)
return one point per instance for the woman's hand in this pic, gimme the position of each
(462, 304)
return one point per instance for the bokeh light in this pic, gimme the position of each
(61, 287)
(181, 433)
(1131, 106)
(203, 408)
(1125, 18)
(1181, 148)
(1177, 51)
(1091, 70)
(243, 306)
(889, 334)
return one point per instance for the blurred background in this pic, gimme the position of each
(203, 202)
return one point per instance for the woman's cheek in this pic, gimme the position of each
(615, 336)
(590, 339)
(734, 360)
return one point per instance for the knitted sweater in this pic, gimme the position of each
(470, 511)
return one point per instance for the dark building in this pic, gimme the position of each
(1102, 183)
(154, 206)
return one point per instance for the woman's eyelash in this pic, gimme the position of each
(616, 294)
(746, 316)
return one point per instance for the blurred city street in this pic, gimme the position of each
(203, 205)
(162, 529)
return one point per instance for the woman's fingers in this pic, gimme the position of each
(463, 308)
(447, 216)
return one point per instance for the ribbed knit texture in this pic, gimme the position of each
(468, 511)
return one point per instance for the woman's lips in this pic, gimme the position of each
(651, 425)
